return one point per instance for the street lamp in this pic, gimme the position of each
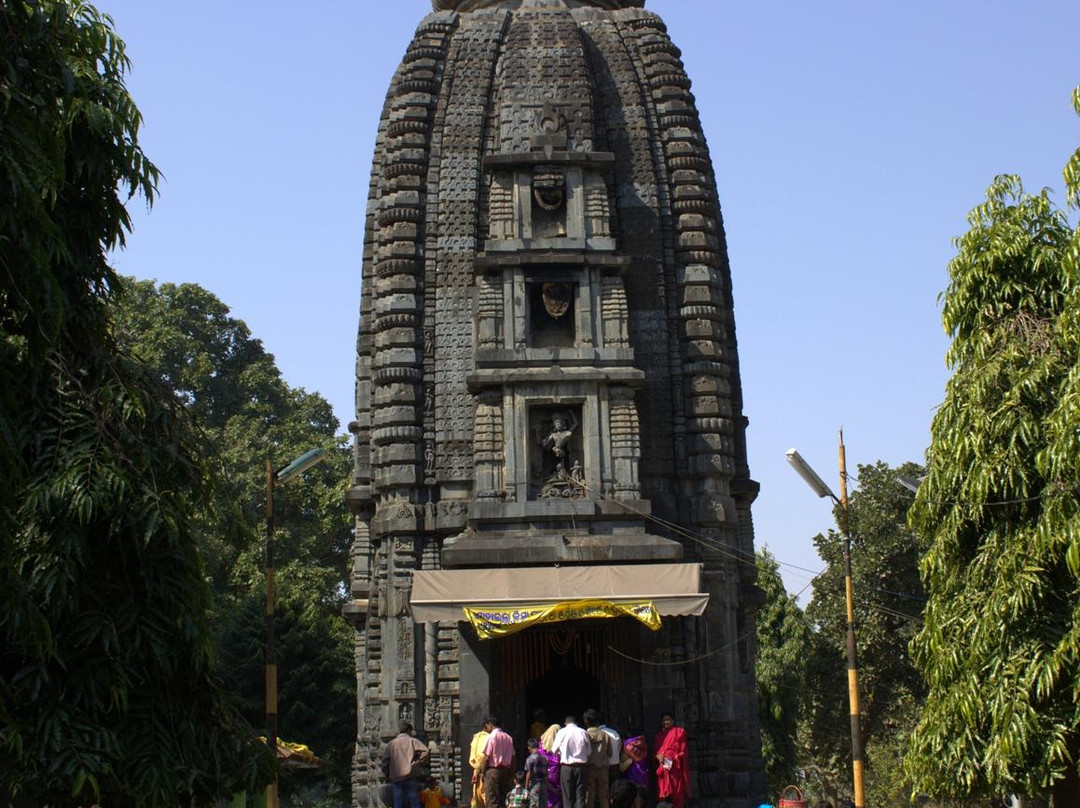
(910, 483)
(815, 482)
(274, 478)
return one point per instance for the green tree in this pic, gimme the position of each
(107, 692)
(888, 600)
(234, 392)
(783, 641)
(998, 510)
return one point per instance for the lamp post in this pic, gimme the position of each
(811, 478)
(274, 478)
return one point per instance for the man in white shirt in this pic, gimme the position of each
(573, 747)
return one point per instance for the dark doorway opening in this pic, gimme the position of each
(564, 690)
(563, 669)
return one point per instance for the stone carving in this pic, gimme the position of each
(531, 73)
(429, 398)
(565, 484)
(564, 478)
(614, 312)
(597, 208)
(557, 298)
(545, 317)
(549, 134)
(563, 426)
(490, 313)
(405, 650)
(501, 207)
(625, 443)
(549, 187)
(489, 449)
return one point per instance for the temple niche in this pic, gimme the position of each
(549, 413)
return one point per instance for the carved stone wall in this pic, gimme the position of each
(547, 150)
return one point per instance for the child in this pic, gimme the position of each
(518, 796)
(432, 796)
(536, 775)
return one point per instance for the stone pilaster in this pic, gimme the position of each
(625, 443)
(490, 450)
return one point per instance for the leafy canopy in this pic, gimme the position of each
(107, 693)
(234, 391)
(1000, 649)
(888, 599)
(783, 637)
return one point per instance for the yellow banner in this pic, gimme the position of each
(501, 622)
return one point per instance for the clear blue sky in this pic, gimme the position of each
(849, 139)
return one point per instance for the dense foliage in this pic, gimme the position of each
(888, 600)
(999, 510)
(783, 642)
(234, 391)
(106, 686)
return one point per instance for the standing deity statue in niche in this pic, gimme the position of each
(562, 484)
(563, 426)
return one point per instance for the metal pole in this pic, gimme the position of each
(271, 652)
(852, 662)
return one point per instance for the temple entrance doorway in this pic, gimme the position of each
(565, 669)
(564, 690)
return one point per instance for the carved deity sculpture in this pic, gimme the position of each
(563, 426)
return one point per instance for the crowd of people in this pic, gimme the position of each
(579, 765)
(568, 765)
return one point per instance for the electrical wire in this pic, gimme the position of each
(809, 584)
(739, 556)
(719, 650)
(905, 595)
(877, 607)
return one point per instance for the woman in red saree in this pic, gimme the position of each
(673, 766)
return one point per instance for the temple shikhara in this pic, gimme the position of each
(551, 492)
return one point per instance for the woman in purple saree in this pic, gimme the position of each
(554, 789)
(635, 754)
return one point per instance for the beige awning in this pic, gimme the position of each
(441, 595)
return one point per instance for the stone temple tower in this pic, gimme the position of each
(551, 491)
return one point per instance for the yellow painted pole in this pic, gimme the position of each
(271, 651)
(852, 660)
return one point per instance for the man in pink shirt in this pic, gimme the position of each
(497, 763)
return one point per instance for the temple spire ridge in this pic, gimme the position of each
(475, 5)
